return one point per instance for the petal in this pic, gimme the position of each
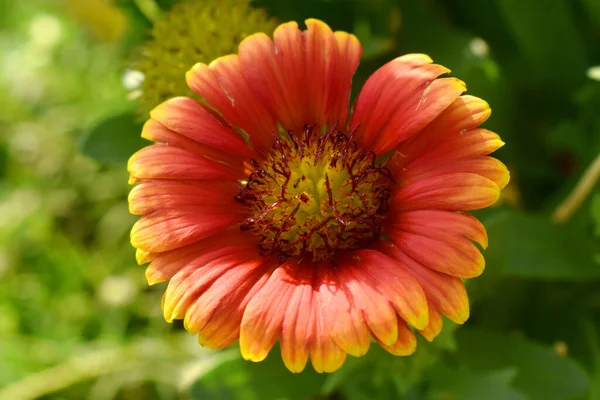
(365, 295)
(485, 166)
(223, 86)
(170, 229)
(438, 223)
(155, 195)
(164, 162)
(435, 324)
(446, 293)
(453, 192)
(216, 314)
(393, 282)
(464, 114)
(156, 132)
(400, 99)
(325, 354)
(298, 323)
(448, 253)
(196, 277)
(263, 318)
(194, 121)
(302, 77)
(230, 241)
(405, 344)
(345, 317)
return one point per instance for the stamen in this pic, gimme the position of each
(315, 194)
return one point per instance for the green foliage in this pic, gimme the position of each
(114, 139)
(77, 319)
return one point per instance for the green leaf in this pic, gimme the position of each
(540, 373)
(452, 383)
(530, 246)
(114, 139)
(237, 379)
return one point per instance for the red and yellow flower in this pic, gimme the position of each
(278, 212)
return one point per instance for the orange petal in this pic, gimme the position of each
(344, 316)
(156, 132)
(453, 192)
(435, 324)
(154, 195)
(298, 322)
(325, 354)
(365, 294)
(196, 277)
(485, 166)
(400, 99)
(263, 318)
(390, 279)
(440, 224)
(223, 85)
(217, 313)
(192, 120)
(465, 113)
(166, 264)
(448, 254)
(170, 229)
(163, 162)
(446, 293)
(405, 345)
(304, 77)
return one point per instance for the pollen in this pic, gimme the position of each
(315, 194)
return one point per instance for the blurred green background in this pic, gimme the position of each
(77, 320)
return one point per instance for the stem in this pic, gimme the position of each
(565, 210)
(149, 8)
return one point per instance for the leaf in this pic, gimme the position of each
(540, 373)
(452, 383)
(268, 380)
(114, 139)
(530, 246)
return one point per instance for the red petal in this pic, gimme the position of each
(367, 296)
(170, 229)
(446, 293)
(263, 318)
(197, 276)
(405, 344)
(158, 133)
(217, 313)
(453, 192)
(302, 77)
(435, 324)
(163, 162)
(223, 85)
(392, 281)
(192, 120)
(448, 253)
(231, 241)
(464, 114)
(485, 166)
(154, 195)
(298, 323)
(400, 99)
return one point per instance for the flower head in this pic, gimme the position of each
(190, 32)
(277, 212)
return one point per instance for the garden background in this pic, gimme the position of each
(77, 319)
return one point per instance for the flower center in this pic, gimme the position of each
(315, 194)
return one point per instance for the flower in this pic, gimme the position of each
(277, 212)
(190, 32)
